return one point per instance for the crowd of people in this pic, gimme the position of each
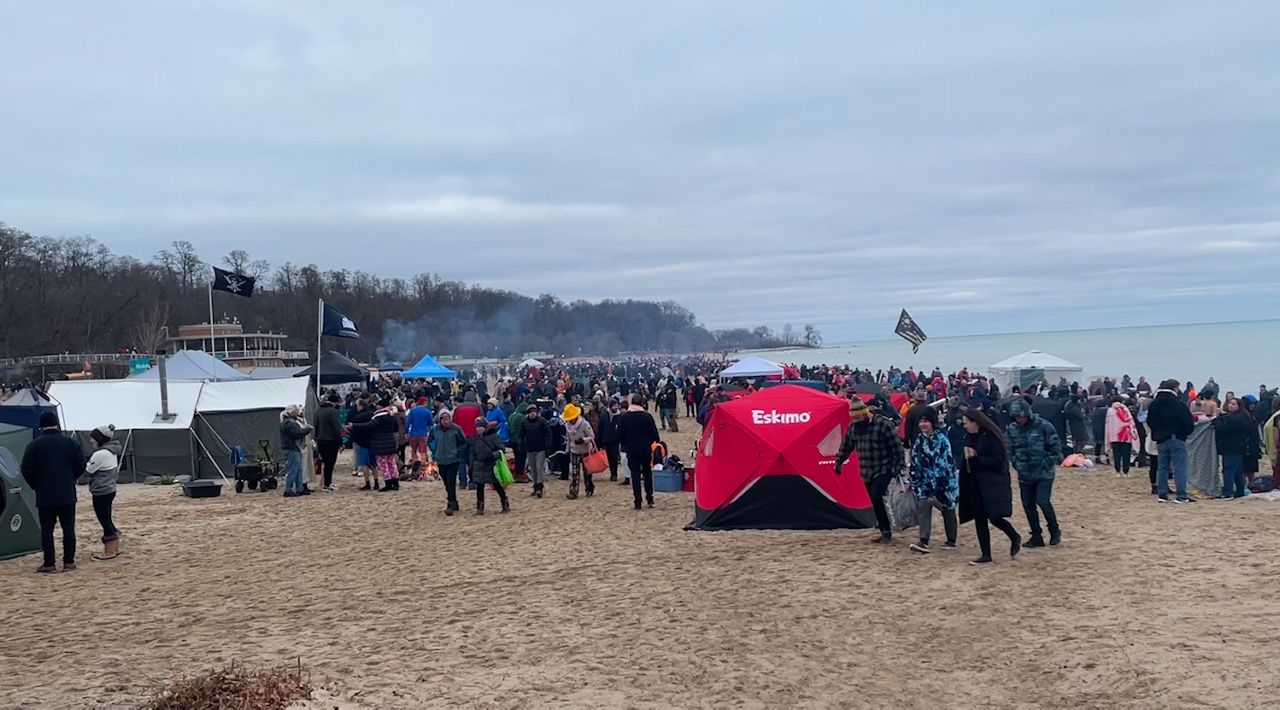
(958, 437)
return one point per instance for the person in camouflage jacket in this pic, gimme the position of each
(1035, 451)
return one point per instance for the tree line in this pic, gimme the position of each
(73, 294)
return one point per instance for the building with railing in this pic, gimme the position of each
(229, 342)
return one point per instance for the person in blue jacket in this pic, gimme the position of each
(499, 417)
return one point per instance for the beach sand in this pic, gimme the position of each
(588, 604)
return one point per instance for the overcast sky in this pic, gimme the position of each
(990, 166)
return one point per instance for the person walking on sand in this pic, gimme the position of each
(637, 433)
(293, 431)
(1121, 433)
(51, 465)
(451, 445)
(934, 481)
(536, 440)
(104, 470)
(580, 440)
(985, 487)
(879, 454)
(486, 447)
(1171, 423)
(1035, 452)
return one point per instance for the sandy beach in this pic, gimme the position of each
(588, 604)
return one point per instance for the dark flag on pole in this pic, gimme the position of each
(338, 325)
(909, 331)
(231, 282)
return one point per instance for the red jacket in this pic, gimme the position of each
(465, 417)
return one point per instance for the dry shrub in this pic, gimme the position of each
(235, 688)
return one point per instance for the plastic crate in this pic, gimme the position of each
(202, 489)
(668, 481)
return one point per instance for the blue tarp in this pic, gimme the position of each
(428, 368)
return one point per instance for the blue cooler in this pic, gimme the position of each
(668, 481)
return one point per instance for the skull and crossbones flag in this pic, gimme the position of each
(231, 282)
(909, 331)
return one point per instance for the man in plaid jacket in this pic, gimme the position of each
(879, 454)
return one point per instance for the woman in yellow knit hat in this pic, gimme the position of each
(580, 440)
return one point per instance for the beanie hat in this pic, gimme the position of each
(103, 434)
(481, 422)
(48, 420)
(857, 406)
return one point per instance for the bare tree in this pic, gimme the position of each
(151, 328)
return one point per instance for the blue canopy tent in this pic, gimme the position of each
(390, 366)
(428, 368)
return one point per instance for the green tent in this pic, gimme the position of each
(19, 526)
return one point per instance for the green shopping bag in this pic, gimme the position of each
(502, 472)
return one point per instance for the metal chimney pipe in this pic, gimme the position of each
(164, 385)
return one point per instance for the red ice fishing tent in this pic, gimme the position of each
(768, 461)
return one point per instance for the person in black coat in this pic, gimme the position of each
(1074, 413)
(637, 433)
(609, 437)
(1234, 432)
(51, 464)
(328, 435)
(535, 436)
(486, 447)
(986, 494)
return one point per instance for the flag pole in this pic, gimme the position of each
(213, 347)
(319, 332)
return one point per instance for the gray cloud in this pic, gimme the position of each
(990, 167)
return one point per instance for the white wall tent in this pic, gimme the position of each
(242, 414)
(211, 417)
(1031, 367)
(151, 447)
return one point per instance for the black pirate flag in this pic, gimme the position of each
(909, 331)
(231, 282)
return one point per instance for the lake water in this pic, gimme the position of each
(1239, 356)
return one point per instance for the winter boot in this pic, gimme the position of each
(479, 509)
(367, 486)
(1034, 541)
(110, 550)
(1055, 537)
(506, 506)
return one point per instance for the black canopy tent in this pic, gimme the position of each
(336, 369)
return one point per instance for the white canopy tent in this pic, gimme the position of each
(531, 363)
(751, 366)
(1028, 368)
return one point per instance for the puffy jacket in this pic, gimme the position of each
(579, 429)
(1168, 418)
(104, 468)
(51, 465)
(608, 428)
(1035, 449)
(536, 434)
(485, 450)
(381, 431)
